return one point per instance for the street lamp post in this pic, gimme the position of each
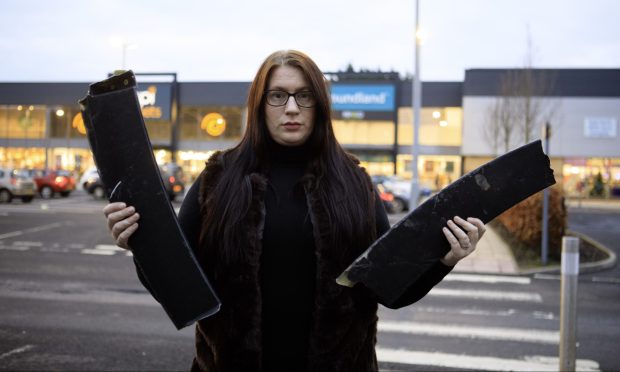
(416, 101)
(544, 244)
(126, 47)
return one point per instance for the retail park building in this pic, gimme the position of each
(40, 125)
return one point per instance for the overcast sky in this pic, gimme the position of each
(226, 40)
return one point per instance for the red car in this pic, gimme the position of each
(50, 182)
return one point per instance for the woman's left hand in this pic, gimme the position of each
(463, 235)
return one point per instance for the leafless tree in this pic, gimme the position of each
(521, 107)
(491, 130)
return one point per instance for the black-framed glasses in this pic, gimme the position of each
(304, 98)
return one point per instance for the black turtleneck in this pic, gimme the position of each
(288, 263)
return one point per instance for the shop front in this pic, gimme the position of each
(591, 177)
(363, 121)
(43, 136)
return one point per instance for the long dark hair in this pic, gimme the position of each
(344, 191)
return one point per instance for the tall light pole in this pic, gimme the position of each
(120, 41)
(416, 102)
(126, 47)
(544, 244)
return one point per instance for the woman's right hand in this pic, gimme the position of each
(122, 222)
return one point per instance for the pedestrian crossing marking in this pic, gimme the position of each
(486, 295)
(479, 363)
(492, 279)
(488, 333)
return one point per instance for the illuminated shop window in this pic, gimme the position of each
(66, 122)
(22, 121)
(439, 126)
(435, 171)
(362, 132)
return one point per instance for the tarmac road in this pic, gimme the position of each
(70, 301)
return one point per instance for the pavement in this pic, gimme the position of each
(494, 256)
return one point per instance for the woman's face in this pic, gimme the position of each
(289, 124)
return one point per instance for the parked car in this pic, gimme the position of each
(401, 189)
(172, 177)
(91, 183)
(386, 197)
(16, 183)
(50, 182)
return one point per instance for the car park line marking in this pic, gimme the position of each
(89, 296)
(114, 248)
(547, 276)
(544, 315)
(14, 248)
(604, 279)
(56, 206)
(478, 363)
(11, 234)
(32, 229)
(595, 279)
(103, 250)
(16, 351)
(45, 227)
(100, 249)
(493, 279)
(27, 244)
(486, 295)
(487, 333)
(99, 252)
(109, 247)
(54, 249)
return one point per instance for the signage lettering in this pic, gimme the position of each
(363, 97)
(155, 101)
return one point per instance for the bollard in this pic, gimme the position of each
(568, 302)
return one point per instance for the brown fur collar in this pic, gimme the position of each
(344, 321)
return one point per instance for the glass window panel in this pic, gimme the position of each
(440, 126)
(361, 132)
(435, 171)
(67, 125)
(22, 121)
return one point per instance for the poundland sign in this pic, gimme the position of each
(363, 97)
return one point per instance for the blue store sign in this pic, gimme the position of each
(363, 97)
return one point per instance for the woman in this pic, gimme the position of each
(274, 220)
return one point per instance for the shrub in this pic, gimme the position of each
(524, 223)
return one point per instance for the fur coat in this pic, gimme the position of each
(344, 326)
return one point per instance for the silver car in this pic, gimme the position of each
(16, 184)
